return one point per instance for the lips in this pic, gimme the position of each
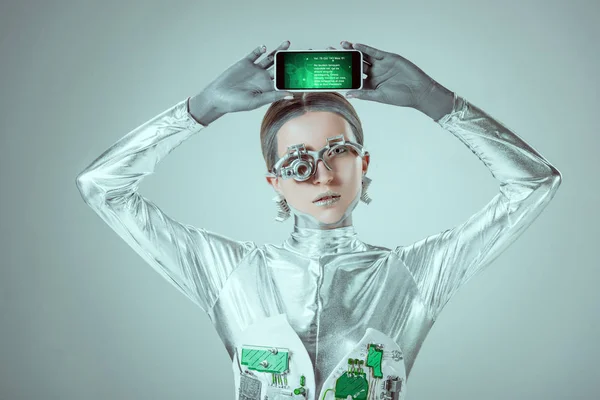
(326, 198)
(328, 195)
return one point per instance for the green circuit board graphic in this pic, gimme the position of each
(354, 385)
(264, 359)
(374, 360)
(318, 70)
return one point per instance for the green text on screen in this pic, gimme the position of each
(318, 70)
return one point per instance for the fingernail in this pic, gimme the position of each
(288, 97)
(263, 48)
(349, 95)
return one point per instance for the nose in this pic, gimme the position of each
(322, 174)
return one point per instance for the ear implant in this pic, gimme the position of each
(283, 209)
(364, 196)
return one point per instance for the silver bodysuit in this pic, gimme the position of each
(322, 315)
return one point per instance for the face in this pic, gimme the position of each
(313, 129)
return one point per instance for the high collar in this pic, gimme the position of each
(310, 242)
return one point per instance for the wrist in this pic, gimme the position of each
(438, 102)
(202, 110)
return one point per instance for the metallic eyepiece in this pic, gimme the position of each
(302, 169)
(301, 163)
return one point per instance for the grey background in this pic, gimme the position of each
(83, 317)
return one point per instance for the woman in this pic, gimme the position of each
(323, 315)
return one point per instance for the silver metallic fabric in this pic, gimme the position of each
(322, 294)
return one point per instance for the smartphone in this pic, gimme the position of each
(318, 70)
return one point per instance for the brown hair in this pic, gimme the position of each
(282, 111)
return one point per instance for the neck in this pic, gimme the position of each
(319, 241)
(304, 221)
(313, 237)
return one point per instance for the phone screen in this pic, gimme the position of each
(318, 70)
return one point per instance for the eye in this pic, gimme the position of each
(338, 150)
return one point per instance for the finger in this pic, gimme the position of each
(348, 46)
(363, 94)
(270, 58)
(271, 72)
(366, 61)
(370, 51)
(257, 52)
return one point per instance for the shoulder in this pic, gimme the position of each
(372, 247)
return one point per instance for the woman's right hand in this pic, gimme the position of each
(244, 86)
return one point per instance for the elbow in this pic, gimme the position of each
(89, 190)
(555, 178)
(550, 183)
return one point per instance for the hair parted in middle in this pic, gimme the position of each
(281, 111)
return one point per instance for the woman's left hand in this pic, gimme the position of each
(391, 79)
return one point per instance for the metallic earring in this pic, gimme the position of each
(283, 210)
(364, 196)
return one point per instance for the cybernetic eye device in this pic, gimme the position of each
(300, 164)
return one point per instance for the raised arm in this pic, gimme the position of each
(194, 260)
(441, 263)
